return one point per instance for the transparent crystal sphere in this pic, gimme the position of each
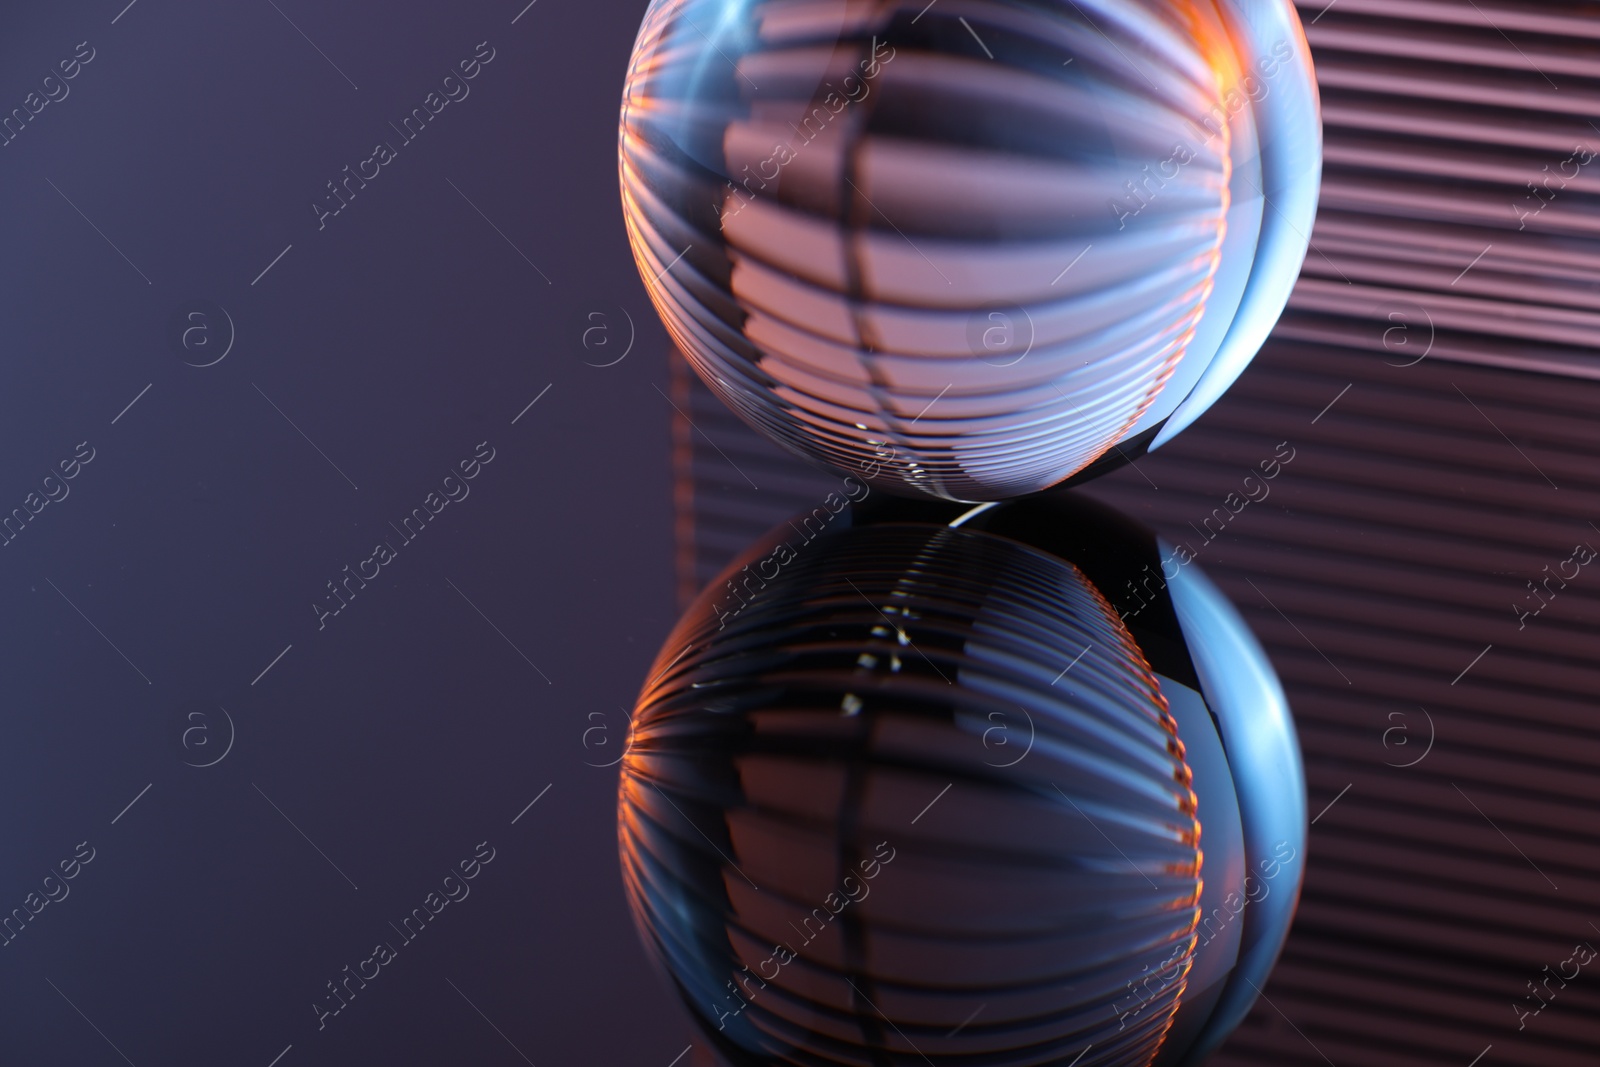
(967, 248)
(902, 793)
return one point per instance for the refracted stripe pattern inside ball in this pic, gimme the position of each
(956, 247)
(873, 701)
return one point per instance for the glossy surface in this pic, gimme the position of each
(968, 250)
(889, 771)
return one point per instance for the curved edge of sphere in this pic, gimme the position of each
(1257, 729)
(1289, 122)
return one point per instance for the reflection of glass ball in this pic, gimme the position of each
(967, 248)
(900, 790)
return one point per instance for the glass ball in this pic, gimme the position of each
(970, 247)
(899, 791)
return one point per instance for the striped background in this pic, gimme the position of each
(1382, 571)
